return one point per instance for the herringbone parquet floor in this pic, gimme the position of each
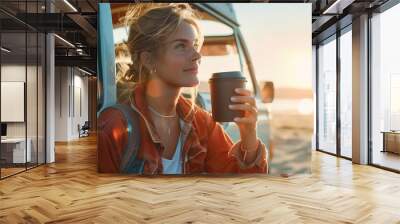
(71, 191)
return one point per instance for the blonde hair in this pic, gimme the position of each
(150, 24)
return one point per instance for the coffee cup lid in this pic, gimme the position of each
(230, 74)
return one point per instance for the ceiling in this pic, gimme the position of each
(73, 20)
(330, 15)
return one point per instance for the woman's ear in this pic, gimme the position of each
(145, 59)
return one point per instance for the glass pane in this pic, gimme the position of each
(213, 56)
(31, 98)
(346, 94)
(327, 97)
(32, 85)
(246, 71)
(13, 85)
(41, 99)
(214, 28)
(22, 82)
(386, 89)
(394, 101)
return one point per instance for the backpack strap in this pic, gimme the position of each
(119, 118)
(129, 161)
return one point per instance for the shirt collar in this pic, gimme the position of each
(138, 103)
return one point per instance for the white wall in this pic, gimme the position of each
(61, 103)
(16, 73)
(71, 93)
(80, 96)
(80, 118)
(33, 127)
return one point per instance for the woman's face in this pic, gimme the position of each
(178, 63)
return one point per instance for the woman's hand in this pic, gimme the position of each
(248, 123)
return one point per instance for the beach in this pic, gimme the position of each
(291, 133)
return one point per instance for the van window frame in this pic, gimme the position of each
(243, 53)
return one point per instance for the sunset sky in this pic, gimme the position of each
(279, 40)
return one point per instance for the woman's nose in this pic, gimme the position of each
(196, 56)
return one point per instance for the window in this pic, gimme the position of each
(327, 96)
(394, 102)
(22, 75)
(385, 88)
(346, 93)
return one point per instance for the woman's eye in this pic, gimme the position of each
(180, 46)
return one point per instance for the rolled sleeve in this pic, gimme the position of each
(224, 156)
(259, 161)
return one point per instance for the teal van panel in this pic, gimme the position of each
(107, 94)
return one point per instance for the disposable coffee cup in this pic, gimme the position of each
(222, 88)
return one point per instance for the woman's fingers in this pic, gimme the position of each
(246, 120)
(246, 102)
(243, 91)
(244, 99)
(245, 107)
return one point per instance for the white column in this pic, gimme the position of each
(50, 93)
(360, 90)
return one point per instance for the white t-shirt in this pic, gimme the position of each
(174, 165)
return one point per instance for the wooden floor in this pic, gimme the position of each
(387, 159)
(5, 172)
(71, 191)
(8, 171)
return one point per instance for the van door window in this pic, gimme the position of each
(219, 53)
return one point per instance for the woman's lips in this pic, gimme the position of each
(193, 70)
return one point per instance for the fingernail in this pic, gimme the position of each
(230, 106)
(236, 119)
(233, 98)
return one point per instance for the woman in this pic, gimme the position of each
(176, 136)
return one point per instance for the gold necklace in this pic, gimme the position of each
(161, 115)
